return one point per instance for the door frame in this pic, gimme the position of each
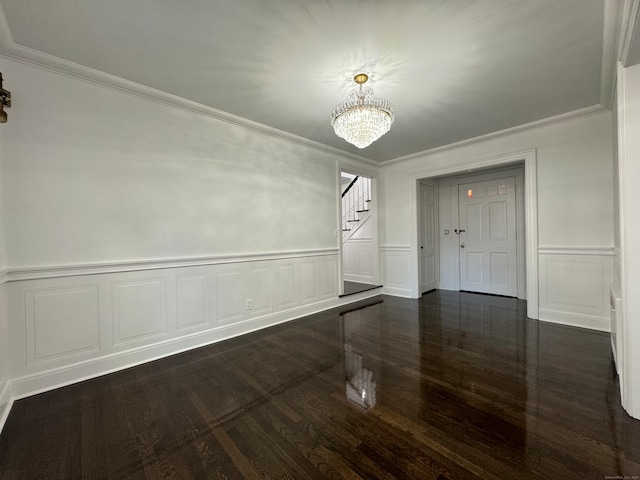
(530, 214)
(375, 244)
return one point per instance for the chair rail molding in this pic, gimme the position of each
(34, 273)
(576, 250)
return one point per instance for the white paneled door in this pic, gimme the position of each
(428, 210)
(487, 237)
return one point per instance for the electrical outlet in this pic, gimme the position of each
(249, 304)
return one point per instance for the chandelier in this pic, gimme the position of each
(362, 118)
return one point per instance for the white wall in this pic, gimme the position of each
(628, 104)
(136, 229)
(574, 189)
(94, 175)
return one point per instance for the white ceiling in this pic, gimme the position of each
(453, 69)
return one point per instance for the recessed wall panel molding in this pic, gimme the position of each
(396, 270)
(574, 289)
(192, 303)
(139, 310)
(230, 296)
(349, 257)
(358, 260)
(329, 277)
(286, 285)
(309, 282)
(61, 322)
(260, 289)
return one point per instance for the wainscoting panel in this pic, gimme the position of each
(139, 309)
(396, 270)
(192, 294)
(309, 282)
(230, 296)
(358, 260)
(286, 286)
(260, 290)
(61, 322)
(574, 287)
(329, 275)
(66, 328)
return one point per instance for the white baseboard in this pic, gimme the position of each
(59, 377)
(358, 278)
(591, 322)
(397, 292)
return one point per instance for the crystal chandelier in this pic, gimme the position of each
(362, 118)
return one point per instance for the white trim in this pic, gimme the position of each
(36, 273)
(6, 39)
(59, 377)
(359, 170)
(395, 248)
(627, 21)
(624, 345)
(397, 292)
(612, 14)
(575, 250)
(350, 277)
(593, 109)
(591, 322)
(530, 209)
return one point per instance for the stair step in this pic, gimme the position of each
(368, 200)
(360, 211)
(355, 220)
(346, 229)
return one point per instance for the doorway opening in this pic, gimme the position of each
(480, 244)
(469, 182)
(359, 226)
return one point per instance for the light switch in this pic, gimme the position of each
(446, 232)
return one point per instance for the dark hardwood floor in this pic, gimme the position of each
(451, 386)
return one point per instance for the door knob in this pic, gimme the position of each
(462, 245)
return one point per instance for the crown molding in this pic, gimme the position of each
(57, 65)
(13, 51)
(611, 29)
(627, 22)
(563, 117)
(6, 39)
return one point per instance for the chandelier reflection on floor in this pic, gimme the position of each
(362, 118)
(360, 387)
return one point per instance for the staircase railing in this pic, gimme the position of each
(355, 202)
